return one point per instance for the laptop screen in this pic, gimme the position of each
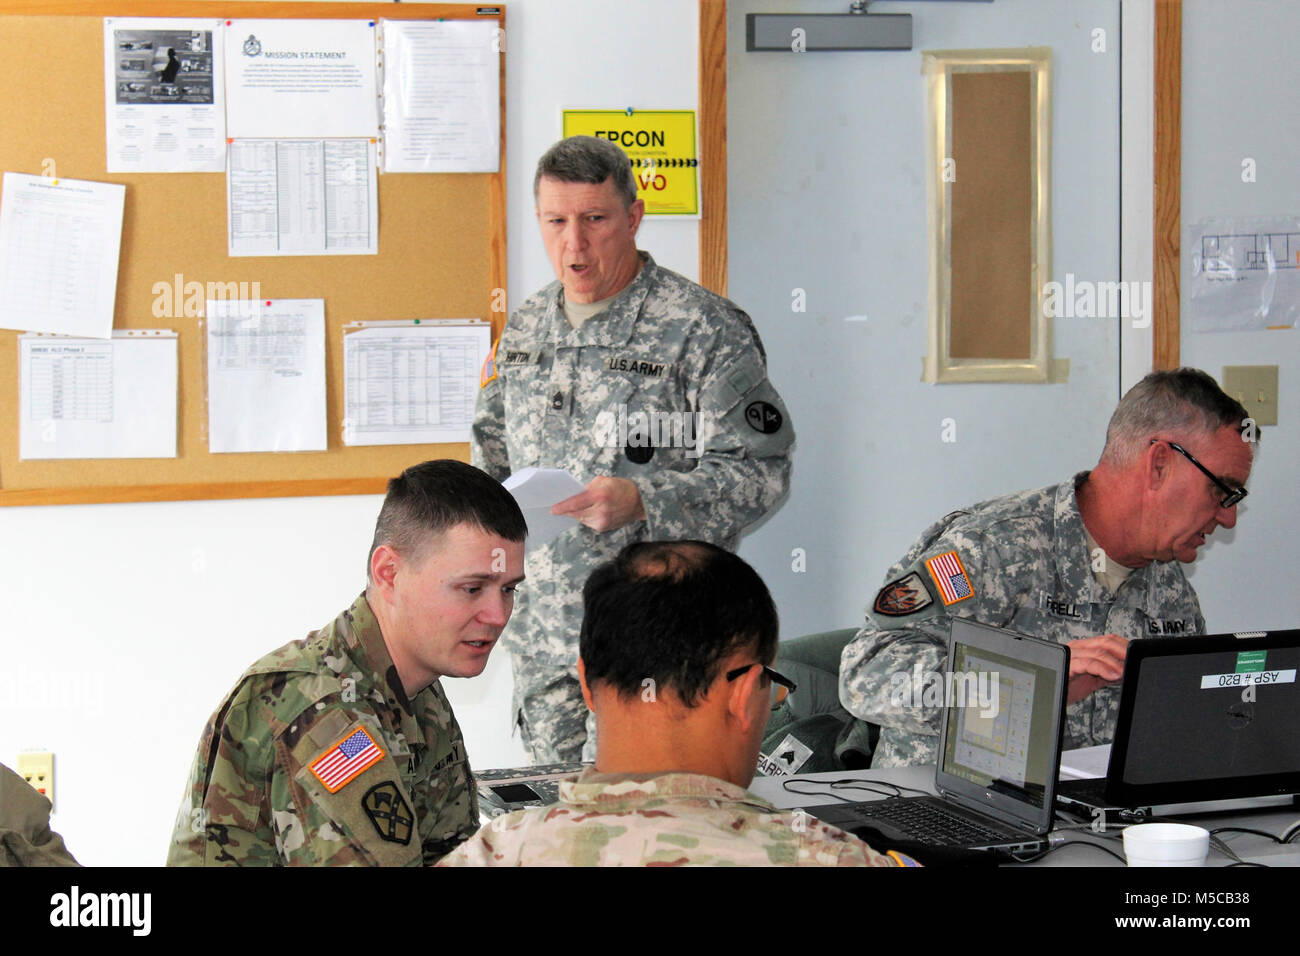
(1211, 717)
(1002, 728)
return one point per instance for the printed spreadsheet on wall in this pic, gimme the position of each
(412, 384)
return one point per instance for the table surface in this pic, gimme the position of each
(813, 790)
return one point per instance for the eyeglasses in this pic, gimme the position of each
(781, 685)
(1230, 495)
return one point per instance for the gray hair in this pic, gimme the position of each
(586, 159)
(1178, 402)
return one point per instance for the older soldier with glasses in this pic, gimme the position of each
(676, 637)
(1093, 562)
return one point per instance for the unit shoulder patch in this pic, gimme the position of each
(905, 596)
(389, 812)
(763, 417)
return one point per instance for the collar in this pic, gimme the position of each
(365, 645)
(614, 792)
(614, 326)
(1074, 557)
(1070, 544)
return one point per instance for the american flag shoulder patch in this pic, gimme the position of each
(950, 576)
(346, 760)
(489, 370)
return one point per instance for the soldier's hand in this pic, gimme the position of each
(1094, 663)
(606, 505)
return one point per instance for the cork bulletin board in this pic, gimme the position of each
(442, 253)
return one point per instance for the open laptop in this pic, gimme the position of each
(1201, 720)
(999, 749)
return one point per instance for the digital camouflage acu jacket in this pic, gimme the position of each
(1022, 562)
(666, 387)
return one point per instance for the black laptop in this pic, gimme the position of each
(999, 749)
(1201, 720)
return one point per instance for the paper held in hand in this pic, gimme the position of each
(536, 490)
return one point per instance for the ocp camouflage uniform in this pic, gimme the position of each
(256, 796)
(558, 398)
(25, 835)
(670, 819)
(1028, 567)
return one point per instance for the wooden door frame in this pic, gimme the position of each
(713, 144)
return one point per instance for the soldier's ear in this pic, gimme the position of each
(635, 213)
(384, 562)
(741, 694)
(1155, 464)
(582, 682)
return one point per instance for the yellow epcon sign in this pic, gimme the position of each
(662, 147)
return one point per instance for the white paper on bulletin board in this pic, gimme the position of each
(442, 100)
(97, 398)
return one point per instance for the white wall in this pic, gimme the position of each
(826, 160)
(125, 624)
(1239, 76)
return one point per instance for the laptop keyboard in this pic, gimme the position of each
(929, 823)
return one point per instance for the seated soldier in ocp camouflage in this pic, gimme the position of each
(342, 748)
(674, 649)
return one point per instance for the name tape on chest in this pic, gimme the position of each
(1064, 607)
(516, 357)
(346, 759)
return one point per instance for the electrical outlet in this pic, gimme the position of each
(1255, 386)
(38, 770)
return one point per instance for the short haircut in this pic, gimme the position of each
(672, 611)
(1182, 402)
(429, 498)
(586, 159)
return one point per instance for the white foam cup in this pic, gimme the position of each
(1166, 844)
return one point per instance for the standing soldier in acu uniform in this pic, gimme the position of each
(647, 387)
(342, 748)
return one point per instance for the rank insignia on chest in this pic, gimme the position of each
(346, 760)
(950, 576)
(389, 812)
(904, 596)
